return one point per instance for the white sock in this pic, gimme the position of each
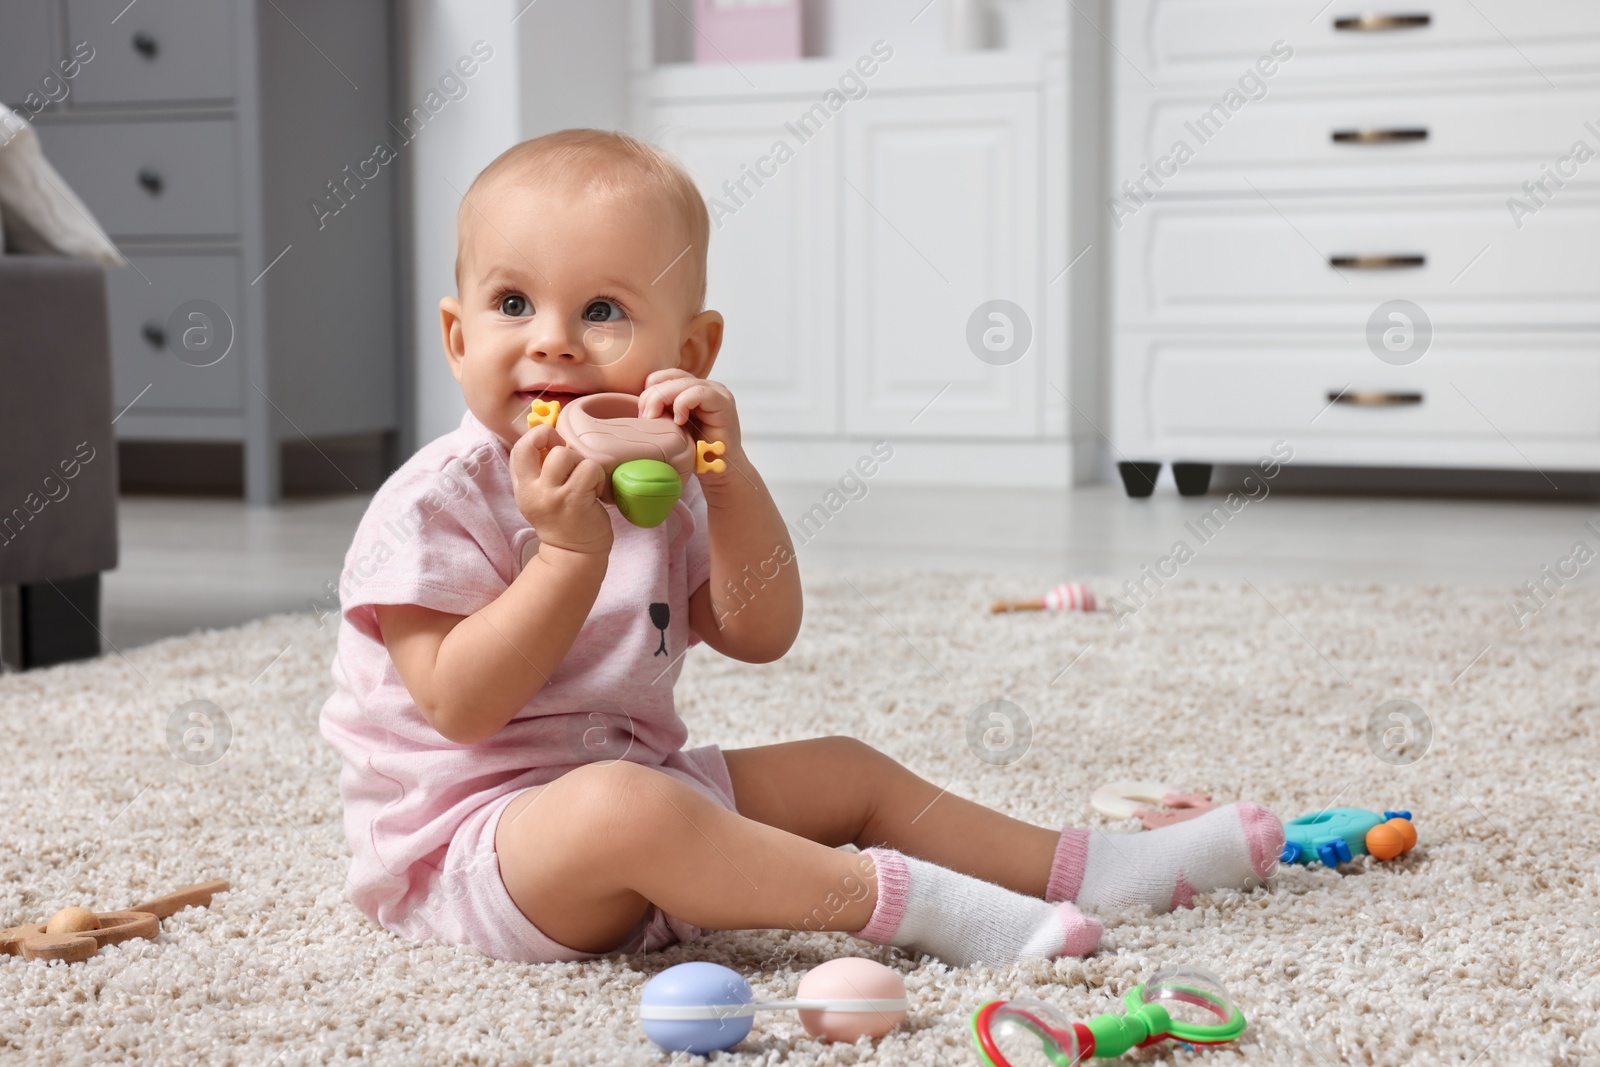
(1229, 847)
(964, 920)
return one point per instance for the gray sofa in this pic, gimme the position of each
(58, 474)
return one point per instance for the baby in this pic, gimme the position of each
(514, 774)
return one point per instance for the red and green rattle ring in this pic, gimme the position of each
(1338, 835)
(646, 461)
(1185, 1004)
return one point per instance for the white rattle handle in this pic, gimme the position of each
(691, 1012)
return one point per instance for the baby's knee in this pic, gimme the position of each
(851, 751)
(617, 805)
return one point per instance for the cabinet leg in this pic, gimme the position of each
(1193, 478)
(46, 623)
(392, 459)
(1139, 479)
(263, 472)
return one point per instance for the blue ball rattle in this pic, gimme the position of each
(704, 1007)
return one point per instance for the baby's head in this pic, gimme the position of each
(580, 268)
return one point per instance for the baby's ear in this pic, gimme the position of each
(455, 345)
(701, 343)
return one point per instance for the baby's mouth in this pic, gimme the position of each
(528, 396)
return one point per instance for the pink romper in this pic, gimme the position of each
(420, 811)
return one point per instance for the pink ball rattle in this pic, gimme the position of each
(704, 1007)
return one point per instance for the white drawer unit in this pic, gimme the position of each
(1310, 139)
(1165, 43)
(1329, 261)
(1472, 392)
(1386, 253)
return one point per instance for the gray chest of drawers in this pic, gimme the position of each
(227, 147)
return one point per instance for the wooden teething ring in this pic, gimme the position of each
(33, 941)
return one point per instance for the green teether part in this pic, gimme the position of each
(645, 490)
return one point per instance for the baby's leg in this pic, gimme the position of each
(584, 856)
(837, 789)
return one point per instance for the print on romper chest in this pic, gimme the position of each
(660, 617)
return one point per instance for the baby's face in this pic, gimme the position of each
(564, 294)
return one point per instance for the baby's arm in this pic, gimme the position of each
(749, 609)
(469, 674)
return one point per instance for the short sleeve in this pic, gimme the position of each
(431, 539)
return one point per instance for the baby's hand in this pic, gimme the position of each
(560, 495)
(709, 403)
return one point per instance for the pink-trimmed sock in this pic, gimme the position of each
(1229, 847)
(964, 920)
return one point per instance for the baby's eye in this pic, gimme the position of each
(514, 304)
(601, 311)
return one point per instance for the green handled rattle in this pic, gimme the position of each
(1185, 1004)
(646, 460)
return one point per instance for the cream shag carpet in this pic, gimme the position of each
(1480, 946)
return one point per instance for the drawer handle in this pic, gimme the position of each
(1402, 135)
(155, 334)
(145, 45)
(151, 180)
(1379, 23)
(1371, 398)
(1377, 262)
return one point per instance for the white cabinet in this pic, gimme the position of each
(773, 245)
(941, 215)
(914, 187)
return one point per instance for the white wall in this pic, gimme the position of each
(455, 144)
(555, 63)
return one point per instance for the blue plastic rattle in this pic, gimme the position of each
(1338, 835)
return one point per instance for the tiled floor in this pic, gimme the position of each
(193, 562)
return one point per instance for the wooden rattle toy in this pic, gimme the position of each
(646, 460)
(74, 934)
(1068, 596)
(1166, 805)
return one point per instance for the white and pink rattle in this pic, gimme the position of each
(703, 1007)
(1068, 596)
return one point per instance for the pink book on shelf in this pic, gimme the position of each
(739, 30)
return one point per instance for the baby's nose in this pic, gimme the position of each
(552, 337)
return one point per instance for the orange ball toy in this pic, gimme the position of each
(1390, 839)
